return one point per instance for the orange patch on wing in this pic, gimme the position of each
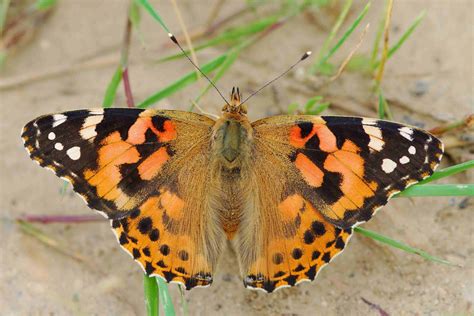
(350, 146)
(172, 204)
(289, 208)
(169, 132)
(312, 174)
(327, 140)
(137, 132)
(150, 167)
(112, 138)
(373, 185)
(355, 190)
(345, 158)
(106, 177)
(295, 137)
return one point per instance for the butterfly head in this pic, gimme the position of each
(235, 106)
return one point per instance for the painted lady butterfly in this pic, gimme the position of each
(285, 190)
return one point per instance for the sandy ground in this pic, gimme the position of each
(37, 280)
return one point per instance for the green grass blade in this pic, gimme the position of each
(314, 106)
(341, 41)
(149, 8)
(45, 4)
(235, 34)
(4, 5)
(134, 14)
(112, 88)
(438, 190)
(340, 19)
(381, 107)
(293, 108)
(184, 304)
(378, 38)
(151, 295)
(396, 244)
(403, 38)
(446, 172)
(405, 35)
(165, 297)
(182, 82)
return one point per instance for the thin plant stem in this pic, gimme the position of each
(380, 72)
(124, 59)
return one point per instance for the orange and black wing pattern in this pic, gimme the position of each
(134, 167)
(327, 174)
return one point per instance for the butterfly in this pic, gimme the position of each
(284, 191)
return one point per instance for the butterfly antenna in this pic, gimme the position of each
(306, 55)
(173, 38)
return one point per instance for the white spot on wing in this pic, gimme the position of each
(51, 136)
(88, 130)
(406, 132)
(388, 165)
(375, 136)
(369, 121)
(404, 160)
(412, 150)
(74, 152)
(97, 111)
(58, 146)
(58, 119)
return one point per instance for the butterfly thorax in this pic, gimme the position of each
(232, 135)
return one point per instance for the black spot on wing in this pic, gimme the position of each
(131, 182)
(277, 258)
(318, 228)
(154, 235)
(311, 273)
(145, 225)
(165, 250)
(297, 253)
(340, 243)
(306, 128)
(347, 128)
(158, 122)
(183, 255)
(149, 269)
(330, 190)
(116, 120)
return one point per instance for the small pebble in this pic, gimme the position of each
(421, 88)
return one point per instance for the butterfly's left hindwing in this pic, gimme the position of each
(135, 166)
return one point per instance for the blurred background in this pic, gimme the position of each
(406, 60)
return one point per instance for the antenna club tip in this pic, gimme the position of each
(172, 37)
(306, 55)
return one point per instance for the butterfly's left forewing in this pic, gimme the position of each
(316, 177)
(137, 167)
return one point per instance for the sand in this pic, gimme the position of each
(432, 73)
